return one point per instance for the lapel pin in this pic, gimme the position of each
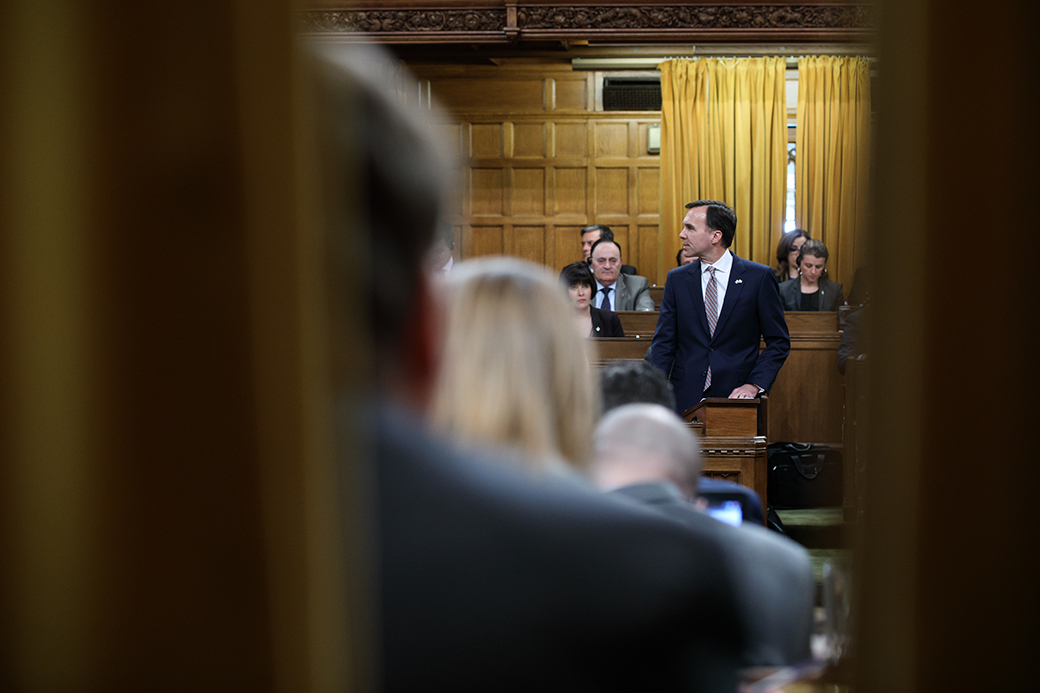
(739, 281)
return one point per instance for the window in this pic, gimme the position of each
(789, 222)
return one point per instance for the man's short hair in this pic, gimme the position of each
(634, 382)
(604, 240)
(718, 217)
(604, 231)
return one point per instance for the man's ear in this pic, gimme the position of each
(421, 346)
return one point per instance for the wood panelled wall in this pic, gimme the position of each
(539, 163)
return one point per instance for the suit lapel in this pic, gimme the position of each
(696, 295)
(620, 291)
(733, 289)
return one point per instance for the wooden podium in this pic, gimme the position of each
(725, 417)
(731, 446)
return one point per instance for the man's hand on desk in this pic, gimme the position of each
(746, 391)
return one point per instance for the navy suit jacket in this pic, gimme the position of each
(750, 312)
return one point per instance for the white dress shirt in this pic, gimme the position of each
(723, 267)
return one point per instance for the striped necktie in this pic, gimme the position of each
(711, 309)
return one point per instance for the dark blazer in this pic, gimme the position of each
(605, 323)
(831, 295)
(776, 589)
(493, 581)
(750, 313)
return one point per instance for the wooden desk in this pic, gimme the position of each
(610, 348)
(638, 322)
(805, 403)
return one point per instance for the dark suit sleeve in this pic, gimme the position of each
(615, 329)
(774, 331)
(662, 348)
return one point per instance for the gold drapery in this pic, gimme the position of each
(723, 137)
(833, 158)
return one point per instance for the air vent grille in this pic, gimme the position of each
(631, 94)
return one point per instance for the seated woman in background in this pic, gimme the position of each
(813, 290)
(592, 322)
(787, 254)
(514, 371)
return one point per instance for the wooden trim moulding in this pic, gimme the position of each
(835, 22)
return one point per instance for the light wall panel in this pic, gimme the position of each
(571, 140)
(528, 192)
(486, 240)
(529, 243)
(486, 141)
(540, 165)
(648, 184)
(486, 191)
(571, 94)
(612, 191)
(529, 140)
(570, 190)
(612, 139)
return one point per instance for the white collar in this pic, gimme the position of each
(724, 264)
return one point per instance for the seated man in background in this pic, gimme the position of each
(489, 580)
(440, 258)
(638, 382)
(591, 234)
(614, 290)
(646, 453)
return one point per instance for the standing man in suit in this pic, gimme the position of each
(614, 290)
(714, 314)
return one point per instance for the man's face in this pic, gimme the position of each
(696, 237)
(438, 255)
(606, 263)
(587, 239)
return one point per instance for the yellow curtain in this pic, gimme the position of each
(723, 137)
(832, 161)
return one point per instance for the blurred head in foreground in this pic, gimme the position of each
(641, 443)
(384, 184)
(514, 370)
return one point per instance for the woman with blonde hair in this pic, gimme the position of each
(514, 371)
